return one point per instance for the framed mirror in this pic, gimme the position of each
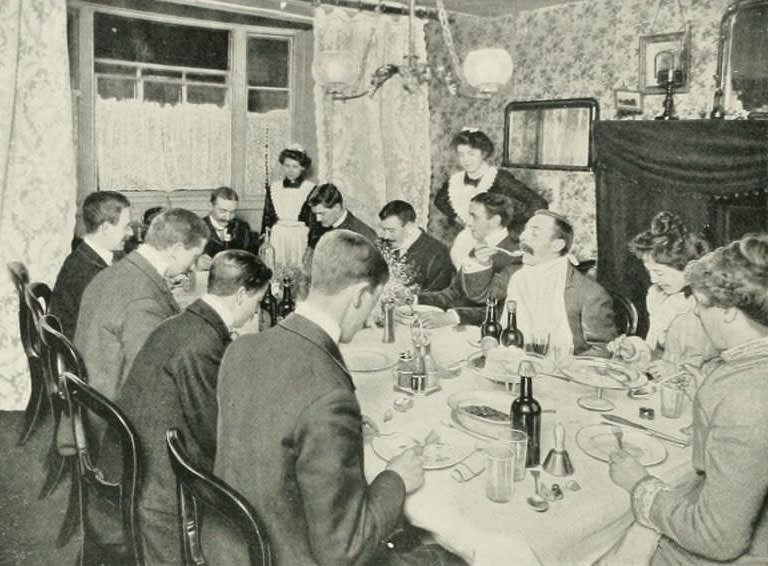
(550, 134)
(742, 62)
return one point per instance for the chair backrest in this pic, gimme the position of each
(124, 492)
(58, 354)
(625, 313)
(195, 485)
(37, 298)
(20, 278)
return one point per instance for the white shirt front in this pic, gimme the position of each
(321, 318)
(539, 291)
(107, 255)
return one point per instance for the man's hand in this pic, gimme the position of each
(438, 319)
(660, 369)
(625, 471)
(484, 254)
(204, 262)
(410, 467)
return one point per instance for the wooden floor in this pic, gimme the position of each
(29, 526)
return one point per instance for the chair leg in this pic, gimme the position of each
(72, 517)
(57, 467)
(38, 403)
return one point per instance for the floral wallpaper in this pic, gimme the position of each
(582, 49)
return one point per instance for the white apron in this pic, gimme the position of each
(289, 234)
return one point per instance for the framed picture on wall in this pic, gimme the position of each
(628, 101)
(662, 55)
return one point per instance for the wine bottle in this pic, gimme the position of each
(491, 327)
(267, 309)
(511, 335)
(286, 303)
(526, 414)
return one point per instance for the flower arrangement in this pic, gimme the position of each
(400, 289)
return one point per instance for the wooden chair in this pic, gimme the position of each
(625, 313)
(28, 333)
(122, 494)
(195, 486)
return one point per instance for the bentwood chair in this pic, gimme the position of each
(99, 499)
(28, 334)
(625, 313)
(195, 486)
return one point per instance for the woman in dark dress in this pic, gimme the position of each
(473, 150)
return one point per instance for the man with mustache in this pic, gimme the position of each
(554, 299)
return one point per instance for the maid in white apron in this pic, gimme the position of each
(473, 150)
(286, 211)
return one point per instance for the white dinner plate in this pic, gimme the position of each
(443, 453)
(508, 376)
(600, 372)
(599, 442)
(405, 311)
(363, 360)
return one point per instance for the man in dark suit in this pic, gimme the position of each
(463, 301)
(227, 231)
(327, 205)
(172, 383)
(290, 431)
(125, 302)
(426, 261)
(107, 217)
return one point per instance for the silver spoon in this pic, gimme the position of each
(535, 501)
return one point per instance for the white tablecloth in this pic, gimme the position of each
(574, 531)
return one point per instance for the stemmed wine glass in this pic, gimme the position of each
(598, 402)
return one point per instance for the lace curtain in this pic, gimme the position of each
(37, 165)
(374, 149)
(266, 136)
(149, 146)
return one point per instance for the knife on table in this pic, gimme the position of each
(683, 443)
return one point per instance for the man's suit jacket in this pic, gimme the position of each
(468, 291)
(80, 267)
(588, 306)
(242, 238)
(431, 263)
(172, 383)
(351, 222)
(290, 440)
(120, 308)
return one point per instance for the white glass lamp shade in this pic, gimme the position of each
(488, 69)
(335, 69)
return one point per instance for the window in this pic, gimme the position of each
(158, 62)
(268, 63)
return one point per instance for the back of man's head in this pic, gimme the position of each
(177, 225)
(403, 210)
(343, 258)
(232, 269)
(103, 206)
(496, 204)
(327, 195)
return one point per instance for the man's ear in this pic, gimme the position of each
(730, 314)
(558, 246)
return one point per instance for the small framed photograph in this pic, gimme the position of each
(661, 56)
(628, 101)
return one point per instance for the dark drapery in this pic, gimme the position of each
(643, 167)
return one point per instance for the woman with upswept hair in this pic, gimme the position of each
(473, 151)
(675, 335)
(719, 513)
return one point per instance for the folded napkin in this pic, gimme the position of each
(469, 468)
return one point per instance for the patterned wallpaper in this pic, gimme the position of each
(582, 49)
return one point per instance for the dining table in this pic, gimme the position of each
(576, 529)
